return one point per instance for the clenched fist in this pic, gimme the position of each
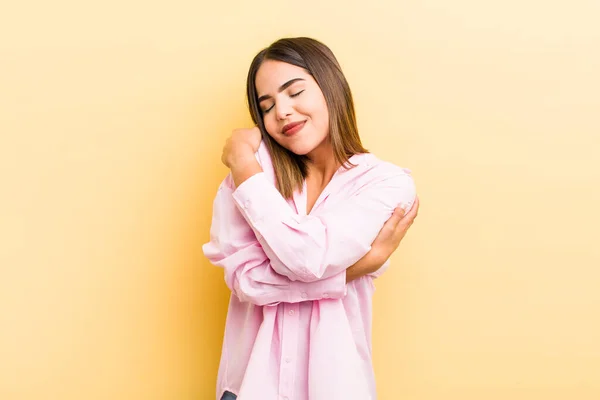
(241, 146)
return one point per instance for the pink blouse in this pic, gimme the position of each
(295, 330)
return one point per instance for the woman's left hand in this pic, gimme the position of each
(393, 231)
(386, 242)
(241, 146)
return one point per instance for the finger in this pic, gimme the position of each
(411, 214)
(393, 220)
(396, 217)
(414, 210)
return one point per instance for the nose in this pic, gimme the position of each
(283, 109)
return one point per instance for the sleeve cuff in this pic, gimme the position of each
(331, 288)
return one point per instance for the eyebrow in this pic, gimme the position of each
(281, 89)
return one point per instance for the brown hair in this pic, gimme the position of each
(318, 60)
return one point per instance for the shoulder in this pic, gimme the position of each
(371, 167)
(388, 181)
(264, 159)
(262, 154)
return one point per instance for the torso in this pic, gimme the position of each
(313, 191)
(314, 188)
(286, 348)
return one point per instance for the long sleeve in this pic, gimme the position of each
(315, 247)
(248, 272)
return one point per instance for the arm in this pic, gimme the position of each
(311, 248)
(248, 272)
(391, 235)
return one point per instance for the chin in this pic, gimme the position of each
(301, 149)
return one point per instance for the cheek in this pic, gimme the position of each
(321, 114)
(325, 116)
(271, 126)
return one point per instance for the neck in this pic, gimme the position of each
(322, 163)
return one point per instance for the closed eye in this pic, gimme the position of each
(291, 95)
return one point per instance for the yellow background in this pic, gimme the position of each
(112, 118)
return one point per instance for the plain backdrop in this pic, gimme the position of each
(112, 119)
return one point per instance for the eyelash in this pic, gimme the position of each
(291, 95)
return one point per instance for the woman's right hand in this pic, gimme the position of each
(386, 242)
(241, 146)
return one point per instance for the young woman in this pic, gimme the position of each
(302, 225)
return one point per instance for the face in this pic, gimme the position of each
(289, 95)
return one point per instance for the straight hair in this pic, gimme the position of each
(319, 61)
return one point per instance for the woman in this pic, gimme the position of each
(302, 225)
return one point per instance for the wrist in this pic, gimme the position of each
(242, 158)
(377, 258)
(244, 169)
(370, 263)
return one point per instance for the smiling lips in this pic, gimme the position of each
(292, 128)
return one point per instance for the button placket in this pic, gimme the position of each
(288, 350)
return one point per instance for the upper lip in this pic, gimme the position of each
(291, 125)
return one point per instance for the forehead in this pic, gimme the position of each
(272, 74)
